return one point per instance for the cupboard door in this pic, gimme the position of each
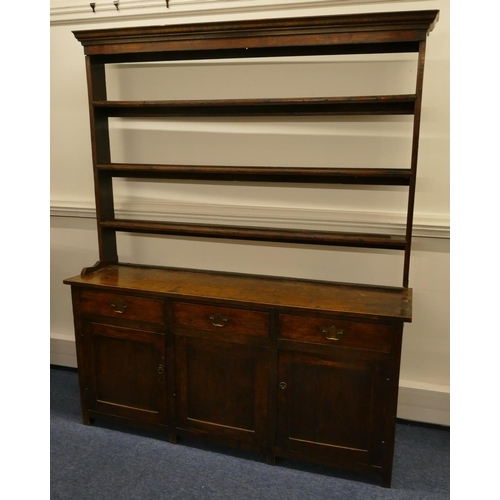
(222, 390)
(331, 408)
(125, 372)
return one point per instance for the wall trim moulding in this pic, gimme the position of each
(78, 11)
(424, 226)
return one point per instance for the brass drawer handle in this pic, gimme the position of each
(332, 333)
(218, 320)
(119, 306)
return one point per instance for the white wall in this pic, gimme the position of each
(424, 383)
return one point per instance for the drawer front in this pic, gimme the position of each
(221, 319)
(336, 332)
(122, 306)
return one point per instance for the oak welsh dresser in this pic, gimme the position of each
(287, 367)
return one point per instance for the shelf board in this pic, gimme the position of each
(363, 105)
(359, 240)
(364, 176)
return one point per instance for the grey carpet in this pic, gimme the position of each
(101, 462)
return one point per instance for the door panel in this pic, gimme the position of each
(222, 388)
(126, 372)
(329, 407)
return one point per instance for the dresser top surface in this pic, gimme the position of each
(314, 296)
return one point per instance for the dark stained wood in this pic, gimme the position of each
(336, 332)
(291, 368)
(98, 265)
(81, 355)
(222, 390)
(317, 106)
(414, 161)
(101, 152)
(366, 176)
(125, 372)
(391, 406)
(291, 35)
(297, 236)
(225, 320)
(122, 306)
(226, 339)
(258, 52)
(360, 33)
(382, 303)
(345, 424)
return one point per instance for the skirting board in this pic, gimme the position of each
(62, 351)
(424, 405)
(415, 404)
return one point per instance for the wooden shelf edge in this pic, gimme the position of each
(359, 105)
(367, 176)
(357, 240)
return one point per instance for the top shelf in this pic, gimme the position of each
(385, 32)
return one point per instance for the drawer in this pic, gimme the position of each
(221, 319)
(336, 332)
(122, 306)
